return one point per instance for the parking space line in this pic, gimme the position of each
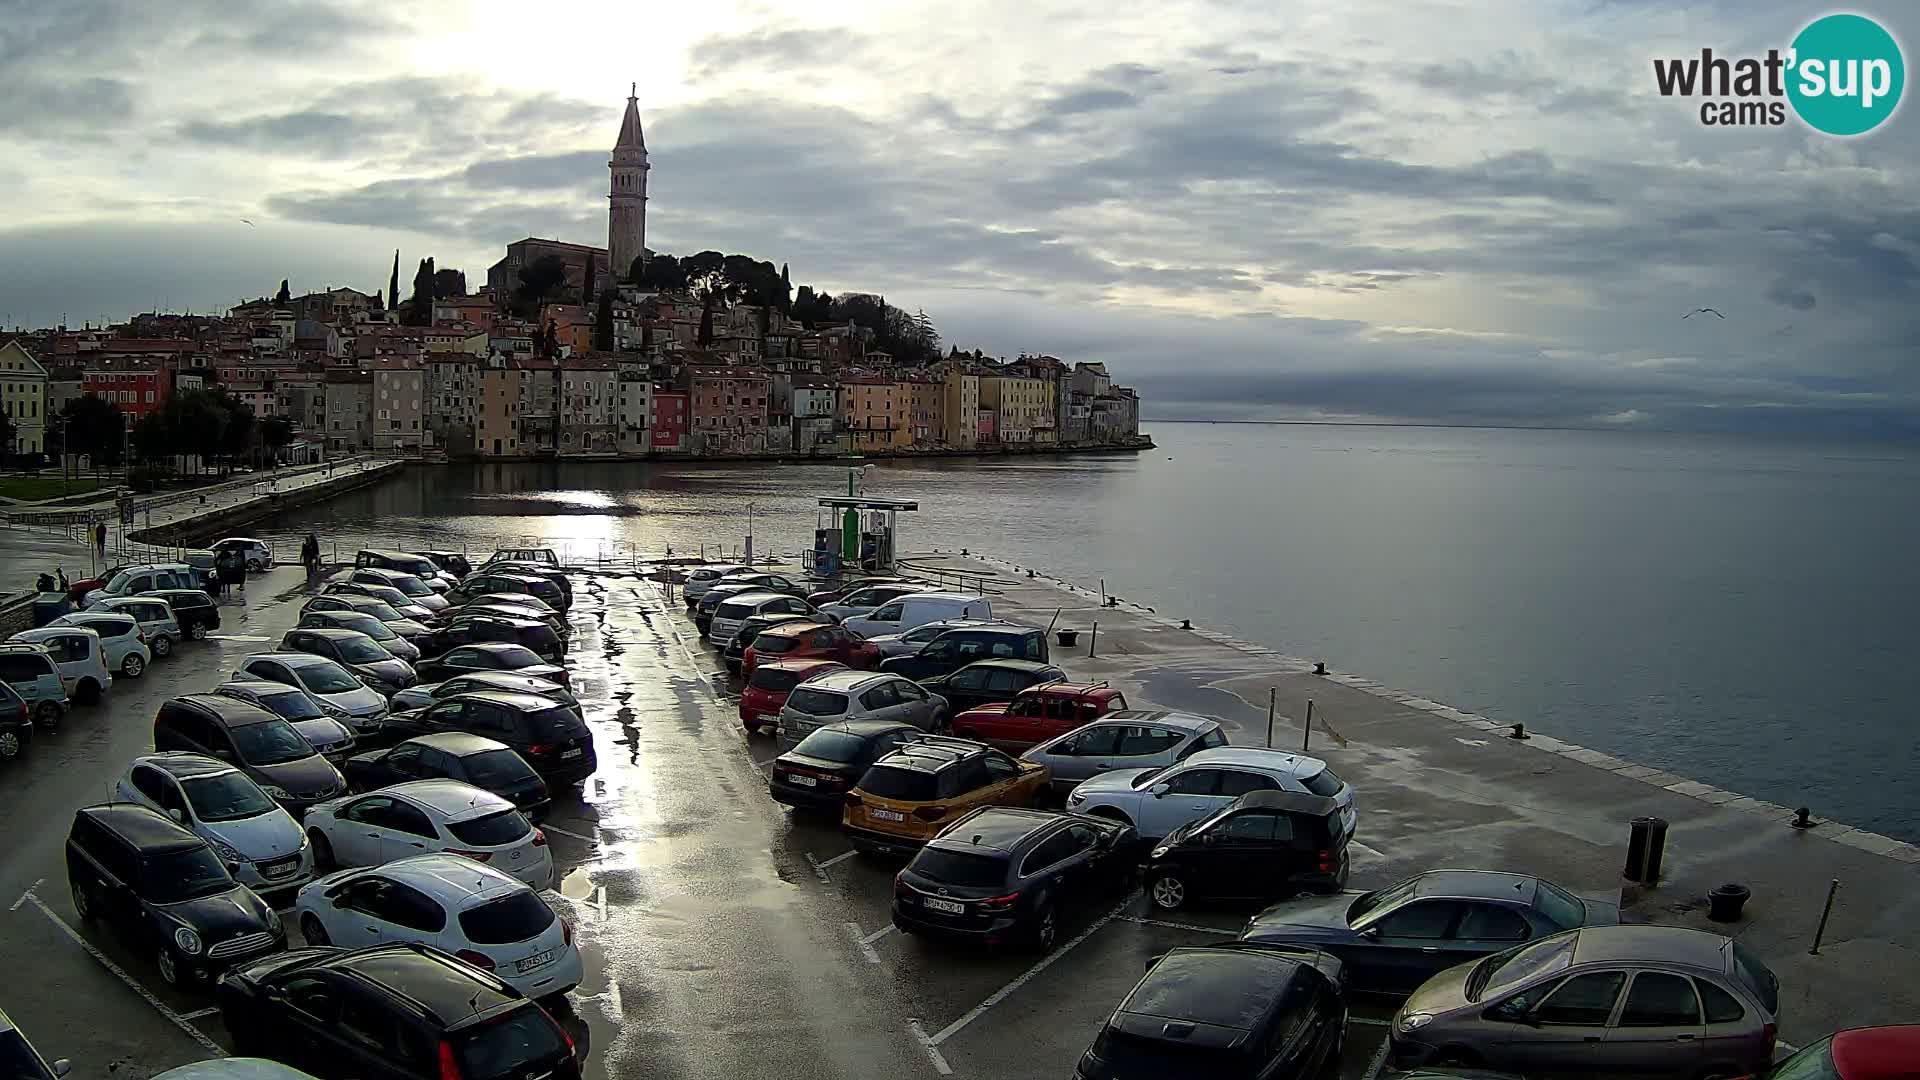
(1368, 1020)
(1195, 927)
(933, 1052)
(819, 869)
(24, 895)
(201, 1014)
(862, 942)
(837, 859)
(119, 972)
(1045, 962)
(1379, 1061)
(877, 934)
(565, 832)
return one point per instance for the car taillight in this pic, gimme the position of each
(1326, 862)
(930, 813)
(539, 838)
(853, 798)
(449, 1065)
(479, 960)
(1767, 1036)
(572, 1051)
(540, 748)
(476, 856)
(1000, 903)
(901, 888)
(566, 930)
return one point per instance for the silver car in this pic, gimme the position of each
(839, 696)
(1637, 1000)
(424, 694)
(704, 578)
(323, 725)
(912, 641)
(738, 608)
(1128, 739)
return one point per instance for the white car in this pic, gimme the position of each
(422, 816)
(454, 904)
(121, 638)
(155, 617)
(903, 613)
(259, 841)
(415, 590)
(1157, 801)
(143, 578)
(257, 555)
(78, 654)
(322, 725)
(326, 680)
(705, 577)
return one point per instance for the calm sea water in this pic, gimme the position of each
(1739, 612)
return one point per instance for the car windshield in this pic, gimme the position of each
(173, 876)
(292, 705)
(1813, 1063)
(1560, 908)
(777, 680)
(810, 702)
(775, 644)
(411, 585)
(369, 626)
(496, 768)
(380, 611)
(361, 651)
(18, 1061)
(900, 785)
(1498, 972)
(518, 917)
(1758, 977)
(227, 796)
(328, 678)
(493, 830)
(962, 868)
(1378, 900)
(507, 1046)
(831, 744)
(270, 742)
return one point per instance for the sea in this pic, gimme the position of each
(1740, 612)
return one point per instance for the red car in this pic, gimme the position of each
(768, 687)
(808, 640)
(1038, 713)
(1882, 1053)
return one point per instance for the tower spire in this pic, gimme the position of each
(627, 194)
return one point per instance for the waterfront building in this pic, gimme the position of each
(497, 430)
(399, 396)
(588, 408)
(926, 410)
(349, 410)
(669, 419)
(635, 409)
(959, 408)
(138, 387)
(1020, 404)
(875, 413)
(729, 410)
(23, 394)
(816, 413)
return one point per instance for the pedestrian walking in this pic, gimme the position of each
(100, 540)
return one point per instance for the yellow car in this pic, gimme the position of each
(907, 797)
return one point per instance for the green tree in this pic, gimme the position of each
(786, 291)
(275, 433)
(420, 305)
(603, 324)
(393, 283)
(95, 427)
(659, 271)
(543, 277)
(153, 437)
(283, 296)
(449, 283)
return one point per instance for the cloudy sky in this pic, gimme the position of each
(1383, 209)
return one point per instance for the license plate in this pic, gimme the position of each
(539, 959)
(280, 867)
(803, 781)
(573, 753)
(885, 815)
(944, 905)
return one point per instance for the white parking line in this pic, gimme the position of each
(199, 1014)
(1046, 961)
(569, 833)
(1196, 928)
(24, 895)
(877, 934)
(862, 942)
(1379, 1061)
(819, 869)
(933, 1052)
(159, 1006)
(837, 859)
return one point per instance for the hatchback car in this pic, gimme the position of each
(194, 610)
(158, 625)
(508, 579)
(387, 594)
(468, 909)
(452, 755)
(1001, 874)
(28, 669)
(846, 586)
(961, 646)
(1039, 713)
(255, 554)
(77, 652)
(421, 695)
(711, 600)
(326, 681)
(558, 590)
(1648, 1001)
(144, 577)
(1227, 1012)
(16, 724)
(260, 843)
(1156, 801)
(453, 563)
(1394, 939)
(121, 639)
(491, 656)
(472, 628)
(703, 578)
(367, 605)
(817, 774)
(405, 562)
(550, 736)
(416, 1013)
(857, 695)
(908, 796)
(253, 740)
(1264, 845)
(354, 651)
(807, 639)
(990, 682)
(164, 889)
(1133, 739)
(734, 652)
(504, 609)
(867, 597)
(771, 684)
(415, 590)
(737, 608)
(908, 642)
(323, 726)
(426, 816)
(361, 622)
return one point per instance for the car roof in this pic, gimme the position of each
(115, 602)
(492, 646)
(755, 596)
(802, 664)
(512, 699)
(1001, 828)
(144, 828)
(1644, 942)
(291, 659)
(233, 1068)
(262, 687)
(1473, 884)
(847, 681)
(483, 615)
(956, 597)
(351, 613)
(332, 633)
(1256, 757)
(39, 632)
(1164, 717)
(229, 709)
(111, 618)
(1068, 689)
(447, 989)
(183, 763)
(457, 743)
(455, 799)
(169, 594)
(993, 626)
(504, 678)
(931, 753)
(449, 874)
(1877, 1053)
(793, 624)
(1014, 663)
(1292, 802)
(866, 729)
(1226, 987)
(396, 553)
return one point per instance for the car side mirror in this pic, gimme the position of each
(1209, 839)
(223, 755)
(175, 815)
(1371, 933)
(62, 1067)
(1161, 789)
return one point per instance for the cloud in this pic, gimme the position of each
(772, 50)
(1791, 294)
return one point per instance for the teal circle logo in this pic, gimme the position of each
(1847, 74)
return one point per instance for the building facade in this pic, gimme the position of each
(589, 405)
(729, 410)
(399, 406)
(23, 394)
(876, 413)
(669, 420)
(634, 413)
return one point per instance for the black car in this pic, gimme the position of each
(194, 610)
(360, 622)
(1007, 874)
(391, 1012)
(166, 892)
(1262, 846)
(508, 580)
(546, 733)
(453, 755)
(1227, 1012)
(16, 723)
(991, 682)
(453, 562)
(469, 629)
(354, 651)
(367, 605)
(270, 750)
(818, 773)
(735, 653)
(551, 574)
(775, 583)
(491, 656)
(957, 648)
(497, 608)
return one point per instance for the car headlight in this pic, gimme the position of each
(1076, 799)
(1161, 851)
(1412, 1021)
(275, 792)
(227, 852)
(334, 711)
(186, 941)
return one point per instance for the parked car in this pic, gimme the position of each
(808, 639)
(452, 755)
(904, 613)
(1039, 713)
(912, 641)
(907, 797)
(491, 656)
(16, 724)
(403, 562)
(29, 671)
(166, 893)
(253, 740)
(121, 639)
(465, 908)
(1657, 1001)
(363, 623)
(415, 589)
(23, 1062)
(702, 578)
(550, 736)
(839, 696)
(513, 599)
(144, 577)
(507, 580)
(862, 600)
(193, 609)
(400, 602)
(421, 695)
(1877, 1053)
(233, 1068)
(354, 651)
(763, 581)
(1133, 739)
(323, 725)
(485, 608)
(847, 586)
(961, 646)
(1001, 874)
(558, 590)
(77, 652)
(1226, 1011)
(328, 683)
(475, 628)
(771, 684)
(1394, 939)
(1155, 802)
(735, 652)
(454, 563)
(423, 816)
(367, 605)
(255, 553)
(427, 1016)
(260, 843)
(817, 774)
(990, 682)
(1262, 846)
(159, 629)
(544, 556)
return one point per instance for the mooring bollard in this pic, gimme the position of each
(1273, 695)
(1821, 930)
(1306, 730)
(1093, 638)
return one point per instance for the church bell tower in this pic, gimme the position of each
(627, 198)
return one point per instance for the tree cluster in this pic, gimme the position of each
(209, 424)
(541, 280)
(910, 339)
(93, 426)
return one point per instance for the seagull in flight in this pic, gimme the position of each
(250, 224)
(1699, 310)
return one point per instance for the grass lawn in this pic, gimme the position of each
(34, 488)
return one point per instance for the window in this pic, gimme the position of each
(1000, 768)
(1235, 783)
(375, 810)
(880, 697)
(1721, 1007)
(1141, 741)
(1323, 783)
(1093, 742)
(1582, 1001)
(1660, 1000)
(1258, 828)
(148, 782)
(1061, 845)
(1491, 922)
(1423, 919)
(1195, 782)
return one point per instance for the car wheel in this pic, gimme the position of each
(1168, 891)
(941, 724)
(87, 693)
(48, 715)
(133, 667)
(1046, 927)
(1111, 815)
(169, 969)
(83, 900)
(163, 646)
(254, 567)
(311, 929)
(10, 745)
(322, 849)
(198, 631)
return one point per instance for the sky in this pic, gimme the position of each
(1382, 210)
